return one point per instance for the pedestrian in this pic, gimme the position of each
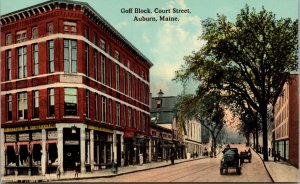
(269, 151)
(172, 155)
(77, 167)
(58, 171)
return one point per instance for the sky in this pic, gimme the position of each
(166, 43)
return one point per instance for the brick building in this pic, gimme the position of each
(73, 89)
(286, 121)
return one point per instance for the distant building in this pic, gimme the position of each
(163, 112)
(286, 121)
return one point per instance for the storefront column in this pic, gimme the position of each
(115, 147)
(44, 154)
(60, 147)
(92, 149)
(150, 150)
(2, 152)
(82, 149)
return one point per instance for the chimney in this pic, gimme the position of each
(160, 93)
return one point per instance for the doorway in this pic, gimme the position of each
(71, 148)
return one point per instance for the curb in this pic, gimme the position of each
(94, 177)
(265, 166)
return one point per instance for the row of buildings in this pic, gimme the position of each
(73, 89)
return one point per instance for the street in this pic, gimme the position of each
(203, 170)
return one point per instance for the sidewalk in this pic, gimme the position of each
(281, 171)
(96, 174)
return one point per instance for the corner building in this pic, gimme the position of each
(73, 89)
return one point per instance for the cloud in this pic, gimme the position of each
(174, 40)
(122, 24)
(145, 37)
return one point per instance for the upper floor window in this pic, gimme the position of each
(8, 64)
(87, 103)
(118, 77)
(108, 49)
(22, 62)
(103, 109)
(34, 33)
(50, 48)
(102, 44)
(35, 104)
(124, 115)
(129, 117)
(96, 107)
(86, 32)
(129, 84)
(51, 104)
(117, 55)
(50, 28)
(35, 54)
(21, 36)
(8, 39)
(95, 64)
(22, 106)
(70, 27)
(86, 55)
(70, 101)
(9, 107)
(95, 38)
(118, 114)
(110, 111)
(103, 68)
(70, 56)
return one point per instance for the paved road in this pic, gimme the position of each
(203, 170)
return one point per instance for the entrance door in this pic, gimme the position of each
(119, 150)
(71, 148)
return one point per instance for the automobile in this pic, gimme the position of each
(245, 155)
(230, 160)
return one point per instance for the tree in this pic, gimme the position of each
(250, 59)
(207, 109)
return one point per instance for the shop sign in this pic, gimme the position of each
(24, 137)
(36, 136)
(52, 134)
(10, 138)
(99, 129)
(71, 142)
(34, 127)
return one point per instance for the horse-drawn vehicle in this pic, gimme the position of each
(245, 155)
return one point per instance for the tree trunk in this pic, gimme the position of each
(254, 145)
(256, 136)
(265, 131)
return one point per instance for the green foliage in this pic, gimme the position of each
(248, 60)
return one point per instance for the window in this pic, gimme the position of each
(102, 44)
(158, 103)
(8, 39)
(95, 38)
(110, 72)
(133, 118)
(50, 47)
(50, 28)
(103, 68)
(103, 109)
(22, 62)
(118, 114)
(69, 27)
(118, 77)
(70, 56)
(8, 64)
(9, 107)
(21, 36)
(96, 108)
(22, 106)
(35, 57)
(117, 55)
(34, 33)
(108, 49)
(70, 101)
(96, 64)
(133, 86)
(129, 83)
(86, 55)
(110, 111)
(35, 104)
(129, 117)
(124, 115)
(87, 103)
(86, 32)
(51, 108)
